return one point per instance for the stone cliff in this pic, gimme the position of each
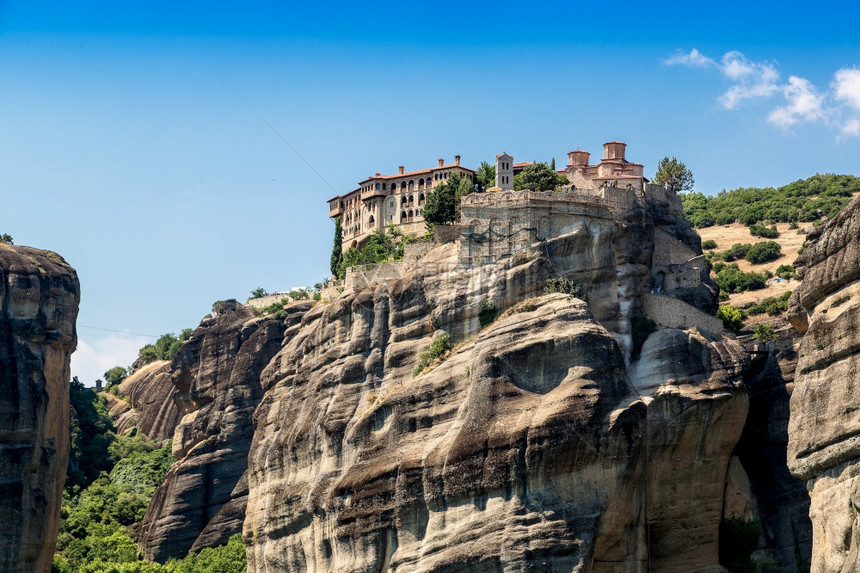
(214, 384)
(152, 397)
(824, 431)
(39, 294)
(536, 441)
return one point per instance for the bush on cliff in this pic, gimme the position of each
(565, 285)
(438, 348)
(380, 247)
(165, 348)
(489, 313)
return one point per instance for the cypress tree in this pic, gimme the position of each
(336, 251)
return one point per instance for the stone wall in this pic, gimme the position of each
(362, 275)
(264, 301)
(496, 225)
(675, 313)
(669, 251)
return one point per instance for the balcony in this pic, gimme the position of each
(372, 192)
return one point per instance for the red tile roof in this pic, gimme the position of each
(419, 172)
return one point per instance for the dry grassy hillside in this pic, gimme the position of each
(790, 241)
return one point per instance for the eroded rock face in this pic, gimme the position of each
(215, 385)
(527, 447)
(824, 430)
(152, 396)
(39, 294)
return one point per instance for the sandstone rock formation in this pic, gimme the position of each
(781, 500)
(824, 431)
(527, 446)
(39, 295)
(215, 385)
(152, 396)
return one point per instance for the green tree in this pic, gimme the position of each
(6, 238)
(732, 317)
(115, 375)
(539, 177)
(337, 248)
(486, 176)
(673, 175)
(764, 332)
(259, 292)
(441, 204)
(381, 246)
(763, 252)
(92, 434)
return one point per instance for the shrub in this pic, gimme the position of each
(737, 251)
(764, 332)
(299, 294)
(786, 272)
(731, 279)
(438, 348)
(732, 317)
(758, 230)
(763, 252)
(771, 305)
(709, 244)
(566, 286)
(380, 247)
(489, 312)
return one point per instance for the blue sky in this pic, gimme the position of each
(132, 143)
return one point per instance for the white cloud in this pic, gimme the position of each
(804, 104)
(91, 360)
(851, 127)
(836, 108)
(846, 86)
(694, 59)
(752, 80)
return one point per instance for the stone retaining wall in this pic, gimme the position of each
(675, 313)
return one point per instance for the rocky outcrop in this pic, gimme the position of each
(824, 431)
(39, 296)
(215, 384)
(151, 395)
(780, 501)
(527, 446)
